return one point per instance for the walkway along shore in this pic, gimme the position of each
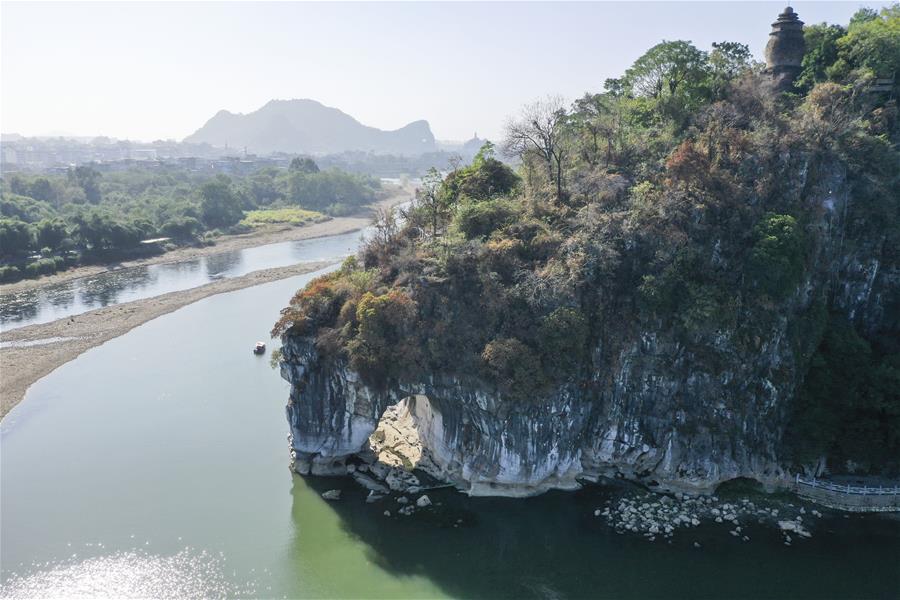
(848, 497)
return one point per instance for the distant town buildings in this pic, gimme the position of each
(57, 154)
(21, 154)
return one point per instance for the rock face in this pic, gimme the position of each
(683, 416)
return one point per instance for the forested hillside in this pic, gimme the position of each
(712, 264)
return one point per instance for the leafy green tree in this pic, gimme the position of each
(872, 43)
(863, 16)
(477, 220)
(849, 405)
(88, 179)
(50, 233)
(484, 179)
(777, 256)
(41, 189)
(265, 187)
(219, 205)
(674, 76)
(821, 53)
(181, 228)
(667, 69)
(727, 61)
(15, 237)
(303, 165)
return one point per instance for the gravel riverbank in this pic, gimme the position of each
(24, 358)
(226, 243)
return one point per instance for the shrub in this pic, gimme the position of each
(315, 305)
(10, 273)
(777, 256)
(480, 219)
(291, 216)
(385, 347)
(563, 334)
(513, 366)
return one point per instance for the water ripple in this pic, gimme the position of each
(129, 574)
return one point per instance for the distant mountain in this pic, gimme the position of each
(307, 126)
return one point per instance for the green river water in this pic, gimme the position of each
(157, 465)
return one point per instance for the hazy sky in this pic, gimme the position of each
(160, 70)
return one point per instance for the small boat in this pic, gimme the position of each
(259, 348)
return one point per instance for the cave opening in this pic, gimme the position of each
(396, 441)
(397, 452)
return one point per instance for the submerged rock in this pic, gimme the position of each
(332, 495)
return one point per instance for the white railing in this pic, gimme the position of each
(849, 489)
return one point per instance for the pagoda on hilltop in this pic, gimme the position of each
(784, 52)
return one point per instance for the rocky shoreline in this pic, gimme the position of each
(397, 470)
(653, 516)
(662, 516)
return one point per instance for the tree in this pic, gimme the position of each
(596, 117)
(777, 256)
(667, 68)
(873, 42)
(181, 228)
(540, 131)
(303, 165)
(15, 237)
(41, 189)
(821, 53)
(428, 197)
(675, 75)
(88, 179)
(484, 179)
(727, 61)
(50, 233)
(219, 205)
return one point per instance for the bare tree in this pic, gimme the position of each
(385, 225)
(540, 130)
(429, 197)
(455, 161)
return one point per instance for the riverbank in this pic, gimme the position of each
(259, 237)
(22, 365)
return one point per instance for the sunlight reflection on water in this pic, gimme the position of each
(131, 574)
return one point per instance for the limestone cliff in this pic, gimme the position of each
(684, 415)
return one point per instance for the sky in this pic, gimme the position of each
(148, 71)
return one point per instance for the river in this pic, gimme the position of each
(157, 465)
(73, 297)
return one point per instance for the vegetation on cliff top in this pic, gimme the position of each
(686, 198)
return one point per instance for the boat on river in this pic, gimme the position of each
(259, 348)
